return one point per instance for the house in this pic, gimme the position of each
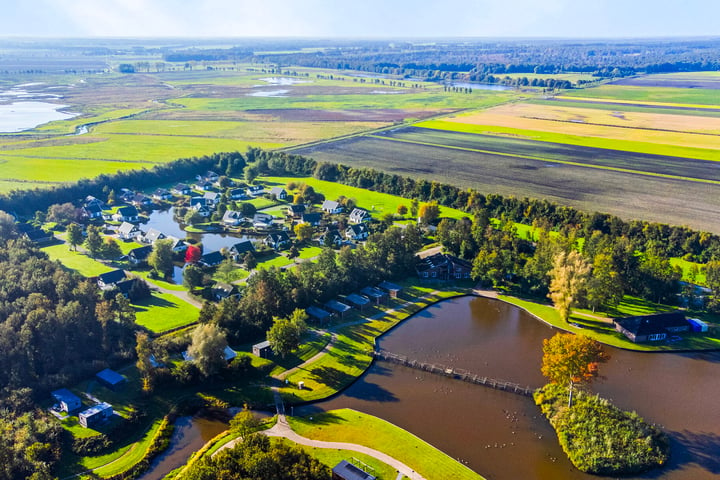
(279, 193)
(443, 266)
(67, 401)
(262, 220)
(178, 245)
(109, 279)
(331, 238)
(162, 194)
(238, 194)
(91, 211)
(204, 211)
(254, 190)
(277, 240)
(181, 189)
(124, 287)
(358, 301)
(221, 291)
(197, 202)
(141, 200)
(317, 313)
(332, 207)
(652, 328)
(262, 349)
(232, 218)
(126, 214)
(357, 231)
(95, 415)
(138, 256)
(128, 231)
(311, 218)
(295, 210)
(211, 259)
(126, 195)
(338, 307)
(211, 198)
(110, 378)
(359, 215)
(375, 294)
(153, 235)
(38, 236)
(204, 185)
(209, 176)
(240, 249)
(392, 289)
(347, 471)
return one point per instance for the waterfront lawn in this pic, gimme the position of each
(313, 342)
(164, 311)
(78, 261)
(347, 425)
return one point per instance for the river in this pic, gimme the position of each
(503, 436)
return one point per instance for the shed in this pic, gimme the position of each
(391, 288)
(347, 471)
(375, 294)
(697, 325)
(358, 301)
(318, 314)
(229, 354)
(262, 349)
(68, 401)
(338, 307)
(95, 415)
(110, 378)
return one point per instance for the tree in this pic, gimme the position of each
(207, 349)
(303, 231)
(63, 213)
(249, 261)
(604, 286)
(572, 359)
(143, 349)
(192, 217)
(74, 235)
(251, 172)
(7, 226)
(161, 257)
(285, 333)
(94, 241)
(226, 271)
(568, 279)
(429, 212)
(111, 249)
(192, 254)
(402, 210)
(245, 422)
(414, 207)
(192, 276)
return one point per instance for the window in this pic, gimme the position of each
(425, 274)
(656, 336)
(458, 275)
(434, 274)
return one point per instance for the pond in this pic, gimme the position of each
(24, 115)
(502, 435)
(480, 86)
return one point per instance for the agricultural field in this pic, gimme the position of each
(709, 80)
(650, 95)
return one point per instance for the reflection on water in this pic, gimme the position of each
(502, 435)
(19, 116)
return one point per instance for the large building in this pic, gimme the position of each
(652, 328)
(442, 266)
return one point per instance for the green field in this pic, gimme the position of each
(163, 312)
(668, 95)
(78, 261)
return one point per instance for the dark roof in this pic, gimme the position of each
(141, 253)
(212, 258)
(442, 260)
(348, 471)
(37, 235)
(128, 211)
(650, 324)
(385, 285)
(372, 292)
(65, 395)
(317, 312)
(243, 247)
(113, 276)
(312, 217)
(276, 237)
(297, 208)
(358, 228)
(337, 306)
(111, 377)
(181, 187)
(357, 299)
(125, 286)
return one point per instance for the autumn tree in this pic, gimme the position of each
(303, 231)
(571, 359)
(192, 254)
(143, 349)
(429, 212)
(207, 348)
(402, 210)
(568, 279)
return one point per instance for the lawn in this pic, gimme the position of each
(351, 426)
(665, 95)
(274, 260)
(163, 312)
(78, 261)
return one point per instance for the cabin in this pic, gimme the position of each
(338, 307)
(110, 379)
(108, 280)
(232, 218)
(318, 314)
(153, 235)
(91, 211)
(162, 194)
(254, 190)
(95, 415)
(359, 215)
(238, 194)
(181, 189)
(652, 328)
(141, 200)
(222, 290)
(443, 266)
(262, 220)
(138, 256)
(295, 210)
(389, 287)
(313, 218)
(128, 231)
(374, 294)
(277, 240)
(347, 471)
(178, 245)
(262, 349)
(331, 238)
(209, 176)
(126, 214)
(204, 185)
(211, 259)
(39, 236)
(211, 198)
(66, 400)
(240, 249)
(358, 301)
(125, 286)
(279, 193)
(331, 207)
(357, 232)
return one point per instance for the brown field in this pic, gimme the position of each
(686, 131)
(710, 80)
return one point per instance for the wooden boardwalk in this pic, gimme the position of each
(455, 373)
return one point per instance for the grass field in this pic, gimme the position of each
(163, 312)
(78, 261)
(347, 425)
(653, 95)
(625, 107)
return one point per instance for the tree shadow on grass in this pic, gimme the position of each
(332, 377)
(152, 302)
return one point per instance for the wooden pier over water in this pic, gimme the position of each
(455, 373)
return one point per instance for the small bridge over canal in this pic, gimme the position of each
(455, 373)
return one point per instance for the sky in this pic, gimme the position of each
(360, 18)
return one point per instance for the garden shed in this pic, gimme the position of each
(338, 307)
(110, 378)
(391, 288)
(68, 401)
(262, 349)
(375, 294)
(358, 301)
(318, 314)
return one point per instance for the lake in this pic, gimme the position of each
(24, 115)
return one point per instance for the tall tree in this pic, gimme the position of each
(568, 279)
(143, 349)
(74, 235)
(7, 226)
(285, 333)
(604, 286)
(429, 212)
(94, 241)
(161, 257)
(207, 348)
(303, 231)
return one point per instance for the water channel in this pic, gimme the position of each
(503, 436)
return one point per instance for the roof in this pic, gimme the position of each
(357, 299)
(95, 409)
(312, 217)
(337, 306)
(141, 253)
(650, 324)
(442, 260)
(277, 190)
(317, 312)
(358, 214)
(296, 208)
(128, 211)
(243, 247)
(229, 354)
(232, 215)
(372, 292)
(330, 205)
(385, 285)
(212, 258)
(153, 234)
(211, 195)
(111, 377)
(125, 286)
(112, 276)
(126, 228)
(181, 187)
(348, 471)
(265, 344)
(263, 217)
(358, 228)
(37, 234)
(65, 395)
(279, 237)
